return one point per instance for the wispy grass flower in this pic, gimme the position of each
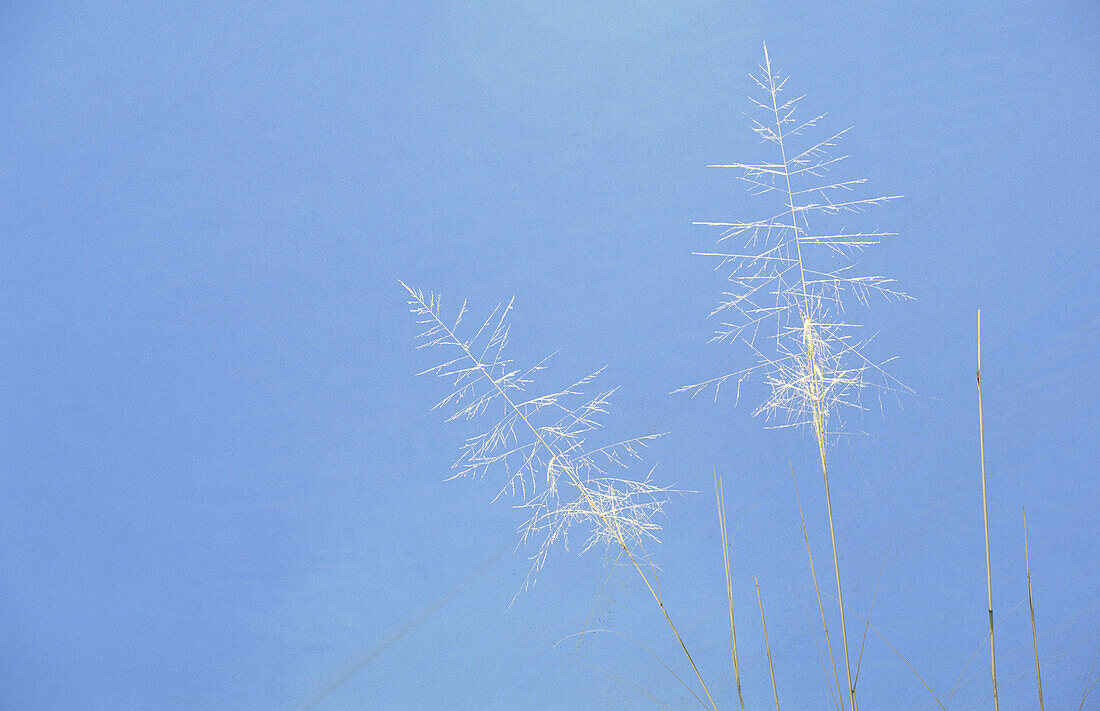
(791, 275)
(535, 442)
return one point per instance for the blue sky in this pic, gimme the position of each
(224, 489)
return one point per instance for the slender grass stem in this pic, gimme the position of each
(906, 661)
(815, 388)
(817, 591)
(985, 518)
(1031, 604)
(1089, 683)
(621, 680)
(720, 493)
(649, 651)
(978, 648)
(871, 609)
(836, 570)
(767, 646)
(824, 369)
(819, 430)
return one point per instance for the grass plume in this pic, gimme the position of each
(561, 482)
(790, 275)
(537, 442)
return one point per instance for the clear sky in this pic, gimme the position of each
(223, 488)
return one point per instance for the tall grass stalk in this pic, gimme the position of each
(985, 519)
(721, 496)
(1031, 605)
(819, 430)
(788, 281)
(767, 646)
(817, 591)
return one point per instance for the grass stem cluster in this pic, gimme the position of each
(790, 279)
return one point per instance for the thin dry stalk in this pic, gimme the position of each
(643, 647)
(871, 609)
(977, 649)
(906, 661)
(1089, 683)
(621, 680)
(767, 647)
(656, 593)
(819, 430)
(721, 495)
(985, 518)
(1031, 604)
(817, 591)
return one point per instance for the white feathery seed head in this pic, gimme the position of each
(536, 440)
(792, 272)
